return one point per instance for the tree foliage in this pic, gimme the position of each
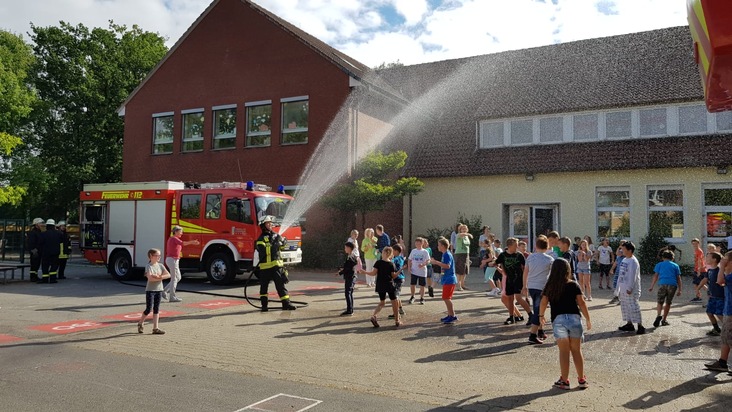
(385, 65)
(81, 77)
(375, 185)
(16, 100)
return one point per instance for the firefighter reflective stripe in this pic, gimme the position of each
(262, 295)
(286, 297)
(63, 254)
(269, 265)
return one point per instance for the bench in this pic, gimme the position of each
(12, 267)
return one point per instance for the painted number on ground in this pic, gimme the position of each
(70, 326)
(215, 304)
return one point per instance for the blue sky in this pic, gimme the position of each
(375, 31)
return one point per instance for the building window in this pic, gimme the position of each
(163, 133)
(653, 122)
(618, 125)
(224, 135)
(718, 212)
(692, 119)
(551, 129)
(724, 121)
(585, 127)
(613, 212)
(259, 125)
(666, 211)
(192, 131)
(522, 132)
(295, 120)
(190, 207)
(491, 134)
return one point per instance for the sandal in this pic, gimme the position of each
(158, 332)
(398, 323)
(374, 321)
(139, 327)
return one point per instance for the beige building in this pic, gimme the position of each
(604, 137)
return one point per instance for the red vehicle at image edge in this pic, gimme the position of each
(120, 222)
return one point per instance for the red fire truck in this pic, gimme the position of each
(120, 222)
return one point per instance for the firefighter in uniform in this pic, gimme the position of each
(63, 257)
(51, 241)
(34, 245)
(269, 266)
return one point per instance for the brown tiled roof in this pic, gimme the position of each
(621, 71)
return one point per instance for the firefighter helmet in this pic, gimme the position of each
(266, 219)
(61, 223)
(38, 221)
(50, 222)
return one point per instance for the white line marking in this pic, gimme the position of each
(253, 406)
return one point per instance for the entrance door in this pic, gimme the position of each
(525, 222)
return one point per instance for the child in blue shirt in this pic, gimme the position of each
(668, 275)
(715, 304)
(725, 279)
(398, 262)
(448, 279)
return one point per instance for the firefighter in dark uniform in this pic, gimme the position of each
(34, 245)
(63, 257)
(269, 266)
(51, 241)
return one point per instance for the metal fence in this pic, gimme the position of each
(12, 239)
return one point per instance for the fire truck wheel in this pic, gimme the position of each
(221, 268)
(120, 266)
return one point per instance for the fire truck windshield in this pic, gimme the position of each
(271, 206)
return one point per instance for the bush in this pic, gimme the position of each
(322, 252)
(647, 252)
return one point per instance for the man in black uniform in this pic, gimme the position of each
(51, 241)
(34, 246)
(269, 265)
(63, 257)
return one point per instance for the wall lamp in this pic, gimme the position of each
(722, 170)
(529, 177)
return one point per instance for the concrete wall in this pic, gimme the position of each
(574, 193)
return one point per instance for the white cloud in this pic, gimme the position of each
(459, 28)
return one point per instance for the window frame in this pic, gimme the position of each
(184, 139)
(285, 131)
(681, 209)
(706, 209)
(249, 134)
(155, 117)
(613, 209)
(218, 137)
(184, 209)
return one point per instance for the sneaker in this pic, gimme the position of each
(664, 323)
(714, 332)
(164, 296)
(717, 366)
(628, 327)
(657, 322)
(401, 311)
(601, 287)
(445, 318)
(391, 316)
(140, 329)
(450, 319)
(421, 301)
(614, 300)
(398, 323)
(561, 384)
(582, 383)
(520, 318)
(528, 322)
(175, 299)
(589, 299)
(464, 288)
(510, 321)
(696, 300)
(641, 330)
(158, 332)
(411, 300)
(534, 340)
(347, 313)
(374, 322)
(541, 335)
(431, 292)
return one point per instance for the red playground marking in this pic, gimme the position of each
(215, 304)
(9, 338)
(135, 316)
(70, 326)
(322, 287)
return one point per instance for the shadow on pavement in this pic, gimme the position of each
(651, 399)
(500, 403)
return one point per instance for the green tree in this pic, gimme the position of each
(82, 76)
(375, 184)
(385, 65)
(16, 100)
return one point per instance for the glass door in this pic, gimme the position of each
(543, 220)
(520, 222)
(526, 222)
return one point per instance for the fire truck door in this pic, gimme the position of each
(191, 206)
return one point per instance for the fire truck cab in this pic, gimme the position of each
(120, 222)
